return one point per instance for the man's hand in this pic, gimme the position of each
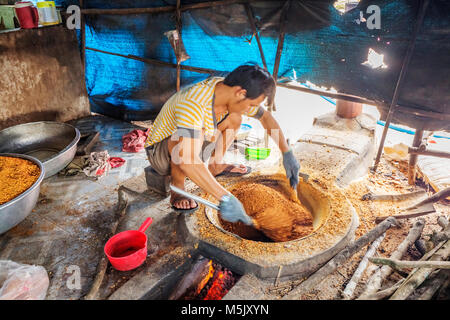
(231, 209)
(292, 168)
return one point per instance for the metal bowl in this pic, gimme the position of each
(17, 209)
(52, 143)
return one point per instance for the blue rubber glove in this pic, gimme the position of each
(232, 210)
(292, 167)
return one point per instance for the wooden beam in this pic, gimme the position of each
(201, 5)
(400, 78)
(433, 153)
(157, 62)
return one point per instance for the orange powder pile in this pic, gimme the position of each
(274, 214)
(16, 176)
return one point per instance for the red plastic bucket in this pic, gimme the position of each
(127, 250)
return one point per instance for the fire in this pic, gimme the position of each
(205, 280)
(220, 286)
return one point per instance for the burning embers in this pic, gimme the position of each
(207, 280)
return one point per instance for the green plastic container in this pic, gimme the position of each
(7, 15)
(257, 153)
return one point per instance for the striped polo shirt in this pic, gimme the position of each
(189, 112)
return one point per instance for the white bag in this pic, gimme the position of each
(22, 281)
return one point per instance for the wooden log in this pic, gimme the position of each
(384, 293)
(434, 285)
(351, 285)
(195, 279)
(402, 264)
(340, 259)
(102, 266)
(418, 276)
(376, 280)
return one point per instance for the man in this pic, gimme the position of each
(212, 111)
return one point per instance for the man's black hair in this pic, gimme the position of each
(254, 79)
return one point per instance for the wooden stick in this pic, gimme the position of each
(433, 286)
(102, 266)
(351, 285)
(384, 293)
(418, 276)
(339, 259)
(438, 196)
(402, 264)
(376, 280)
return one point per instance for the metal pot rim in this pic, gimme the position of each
(69, 146)
(33, 186)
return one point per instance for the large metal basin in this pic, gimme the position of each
(17, 209)
(52, 143)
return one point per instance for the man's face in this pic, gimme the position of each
(240, 104)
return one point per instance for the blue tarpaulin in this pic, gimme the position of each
(322, 45)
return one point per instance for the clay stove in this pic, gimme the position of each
(334, 224)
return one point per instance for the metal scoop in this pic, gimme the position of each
(209, 213)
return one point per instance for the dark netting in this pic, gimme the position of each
(321, 45)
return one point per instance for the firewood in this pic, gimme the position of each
(102, 266)
(384, 293)
(375, 282)
(418, 276)
(351, 285)
(401, 264)
(338, 260)
(434, 285)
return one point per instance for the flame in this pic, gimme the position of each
(217, 290)
(205, 280)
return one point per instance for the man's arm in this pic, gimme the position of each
(290, 163)
(274, 130)
(187, 153)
